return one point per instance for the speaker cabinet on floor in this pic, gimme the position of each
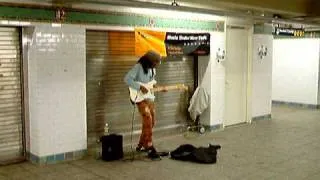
(112, 148)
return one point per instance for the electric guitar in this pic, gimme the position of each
(137, 96)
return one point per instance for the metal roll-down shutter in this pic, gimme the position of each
(110, 54)
(11, 131)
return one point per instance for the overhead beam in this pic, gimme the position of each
(186, 7)
(292, 7)
(253, 9)
(313, 7)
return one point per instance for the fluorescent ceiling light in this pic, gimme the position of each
(174, 14)
(4, 22)
(56, 25)
(25, 23)
(15, 23)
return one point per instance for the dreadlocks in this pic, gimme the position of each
(148, 60)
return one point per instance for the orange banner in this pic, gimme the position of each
(149, 40)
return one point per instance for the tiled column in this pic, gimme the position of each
(56, 93)
(262, 76)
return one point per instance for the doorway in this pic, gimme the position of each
(236, 66)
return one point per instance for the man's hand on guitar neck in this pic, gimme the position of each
(164, 89)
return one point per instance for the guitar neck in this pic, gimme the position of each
(161, 88)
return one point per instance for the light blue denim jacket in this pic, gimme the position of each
(136, 74)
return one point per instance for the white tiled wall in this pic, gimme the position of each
(212, 76)
(296, 70)
(319, 76)
(217, 80)
(262, 76)
(56, 80)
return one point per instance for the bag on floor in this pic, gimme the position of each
(183, 152)
(188, 152)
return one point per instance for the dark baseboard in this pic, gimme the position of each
(264, 117)
(293, 104)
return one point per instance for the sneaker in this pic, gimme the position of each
(152, 154)
(141, 149)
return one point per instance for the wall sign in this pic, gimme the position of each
(281, 31)
(172, 43)
(187, 44)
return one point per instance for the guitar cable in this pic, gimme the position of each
(132, 120)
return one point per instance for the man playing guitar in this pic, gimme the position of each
(143, 73)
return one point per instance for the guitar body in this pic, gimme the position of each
(138, 96)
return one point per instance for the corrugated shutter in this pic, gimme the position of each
(110, 54)
(11, 135)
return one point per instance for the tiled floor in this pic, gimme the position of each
(287, 147)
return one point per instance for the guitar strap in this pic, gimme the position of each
(132, 102)
(153, 73)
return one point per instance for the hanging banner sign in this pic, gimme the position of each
(280, 31)
(187, 44)
(146, 40)
(171, 43)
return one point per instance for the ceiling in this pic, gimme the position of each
(294, 11)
